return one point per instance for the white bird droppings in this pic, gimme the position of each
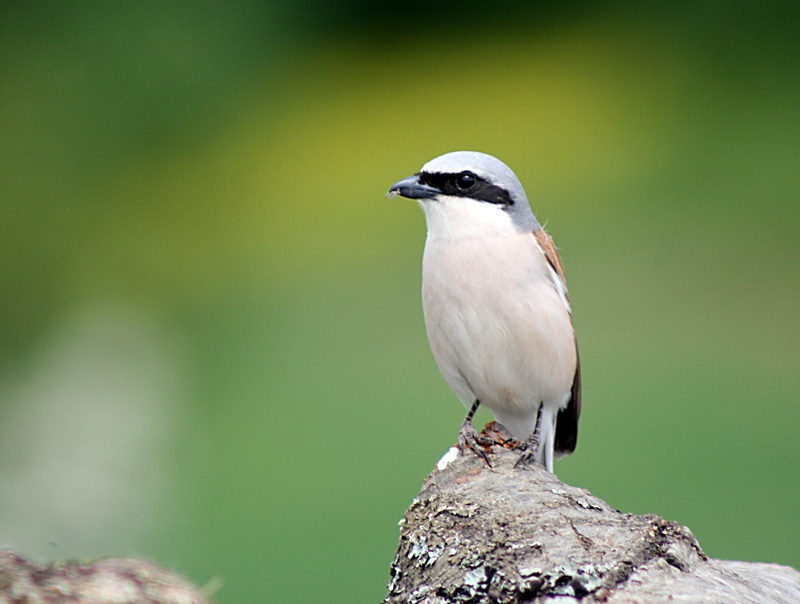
(448, 457)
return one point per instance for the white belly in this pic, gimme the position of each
(498, 328)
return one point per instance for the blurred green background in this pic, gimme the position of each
(211, 343)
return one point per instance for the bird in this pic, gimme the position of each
(496, 307)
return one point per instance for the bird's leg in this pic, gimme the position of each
(531, 444)
(470, 438)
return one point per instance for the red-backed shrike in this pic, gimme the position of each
(496, 306)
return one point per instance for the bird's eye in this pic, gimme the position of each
(465, 181)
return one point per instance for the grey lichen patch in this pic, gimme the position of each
(567, 580)
(454, 545)
(422, 551)
(587, 505)
(475, 577)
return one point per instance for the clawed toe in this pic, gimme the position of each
(530, 446)
(470, 438)
(527, 459)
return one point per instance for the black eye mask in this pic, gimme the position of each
(467, 184)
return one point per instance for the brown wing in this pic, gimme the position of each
(567, 421)
(549, 248)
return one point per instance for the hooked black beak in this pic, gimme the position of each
(412, 188)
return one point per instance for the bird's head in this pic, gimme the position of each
(468, 191)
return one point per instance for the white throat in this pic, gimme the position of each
(456, 218)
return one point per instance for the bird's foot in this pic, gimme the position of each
(470, 438)
(529, 448)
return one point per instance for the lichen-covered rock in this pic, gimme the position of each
(105, 581)
(506, 535)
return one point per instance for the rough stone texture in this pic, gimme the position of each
(106, 581)
(476, 534)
